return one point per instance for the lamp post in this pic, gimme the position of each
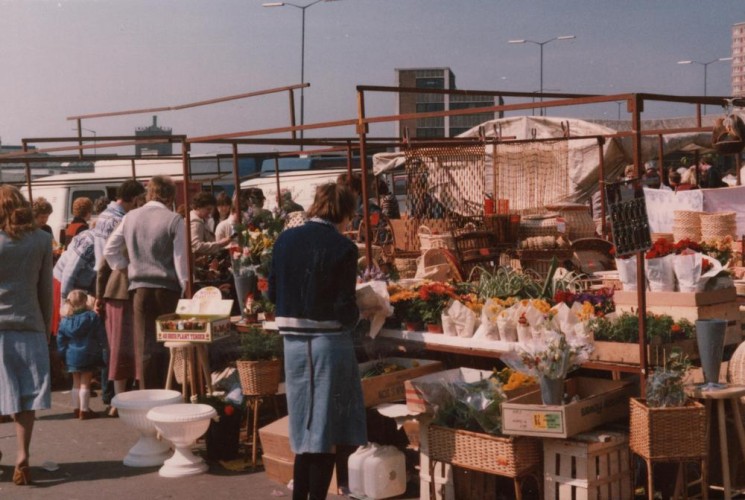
(302, 8)
(95, 149)
(706, 67)
(541, 44)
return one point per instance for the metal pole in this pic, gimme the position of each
(189, 255)
(302, 77)
(542, 108)
(706, 69)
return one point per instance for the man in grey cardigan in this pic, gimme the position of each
(155, 242)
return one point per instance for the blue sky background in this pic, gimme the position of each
(66, 57)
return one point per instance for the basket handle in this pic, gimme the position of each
(424, 230)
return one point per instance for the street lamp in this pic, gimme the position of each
(302, 8)
(95, 143)
(541, 44)
(706, 67)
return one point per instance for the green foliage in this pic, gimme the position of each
(665, 384)
(471, 406)
(661, 329)
(260, 345)
(505, 282)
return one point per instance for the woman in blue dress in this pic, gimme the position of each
(312, 282)
(25, 321)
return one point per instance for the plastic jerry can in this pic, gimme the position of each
(384, 473)
(356, 467)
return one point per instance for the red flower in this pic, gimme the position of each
(706, 265)
(687, 243)
(660, 248)
(263, 284)
(229, 410)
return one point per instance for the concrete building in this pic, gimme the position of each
(738, 59)
(163, 149)
(448, 126)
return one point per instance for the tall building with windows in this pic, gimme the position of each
(447, 126)
(738, 59)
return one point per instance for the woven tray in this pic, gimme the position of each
(259, 378)
(503, 456)
(667, 433)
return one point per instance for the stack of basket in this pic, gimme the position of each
(687, 225)
(717, 225)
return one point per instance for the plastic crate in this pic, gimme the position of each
(589, 466)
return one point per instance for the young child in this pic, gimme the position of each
(81, 341)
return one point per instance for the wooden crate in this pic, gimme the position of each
(721, 304)
(628, 353)
(590, 466)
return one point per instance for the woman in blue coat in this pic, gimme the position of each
(312, 282)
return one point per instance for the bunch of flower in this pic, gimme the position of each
(433, 298)
(687, 244)
(595, 303)
(252, 252)
(472, 301)
(403, 301)
(722, 250)
(251, 305)
(554, 355)
(660, 248)
(665, 384)
(625, 328)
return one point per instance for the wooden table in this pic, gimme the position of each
(731, 393)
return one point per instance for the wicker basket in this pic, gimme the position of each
(428, 239)
(579, 223)
(406, 263)
(179, 358)
(503, 456)
(686, 224)
(667, 433)
(539, 225)
(718, 225)
(259, 378)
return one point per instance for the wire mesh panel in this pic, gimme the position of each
(532, 174)
(445, 182)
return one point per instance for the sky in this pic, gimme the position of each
(60, 58)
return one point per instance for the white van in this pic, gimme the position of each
(302, 184)
(63, 189)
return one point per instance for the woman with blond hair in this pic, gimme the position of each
(25, 321)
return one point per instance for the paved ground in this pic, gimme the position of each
(89, 455)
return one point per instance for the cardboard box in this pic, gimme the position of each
(202, 319)
(721, 304)
(275, 440)
(601, 401)
(389, 387)
(277, 456)
(415, 388)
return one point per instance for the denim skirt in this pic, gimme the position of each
(25, 383)
(324, 393)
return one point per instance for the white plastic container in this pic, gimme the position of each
(356, 466)
(384, 473)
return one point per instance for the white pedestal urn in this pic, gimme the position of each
(710, 339)
(182, 424)
(133, 406)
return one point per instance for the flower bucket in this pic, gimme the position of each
(434, 328)
(552, 390)
(660, 274)
(627, 272)
(223, 437)
(245, 284)
(710, 338)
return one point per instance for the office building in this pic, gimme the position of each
(738, 59)
(447, 126)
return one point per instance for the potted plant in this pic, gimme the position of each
(267, 307)
(403, 301)
(433, 298)
(260, 363)
(223, 434)
(251, 309)
(667, 426)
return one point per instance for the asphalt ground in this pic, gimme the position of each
(89, 456)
